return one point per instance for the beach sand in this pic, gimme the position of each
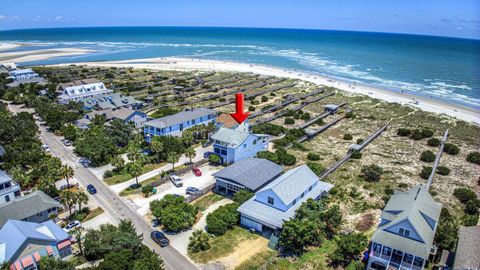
(187, 64)
(36, 55)
(8, 46)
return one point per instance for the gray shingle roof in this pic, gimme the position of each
(468, 248)
(180, 117)
(411, 206)
(251, 173)
(233, 137)
(291, 184)
(26, 206)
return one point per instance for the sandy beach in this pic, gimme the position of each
(8, 46)
(186, 64)
(36, 55)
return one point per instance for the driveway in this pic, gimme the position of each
(180, 241)
(199, 150)
(189, 180)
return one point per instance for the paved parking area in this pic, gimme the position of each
(189, 180)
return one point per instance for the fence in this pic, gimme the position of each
(200, 193)
(183, 170)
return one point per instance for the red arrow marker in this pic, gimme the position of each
(239, 115)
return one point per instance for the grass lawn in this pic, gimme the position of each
(223, 245)
(256, 262)
(124, 176)
(94, 213)
(205, 201)
(130, 191)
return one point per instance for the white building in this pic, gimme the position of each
(81, 89)
(22, 74)
(7, 67)
(9, 190)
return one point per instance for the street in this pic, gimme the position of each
(108, 199)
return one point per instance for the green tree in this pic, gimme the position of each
(52, 263)
(70, 132)
(21, 177)
(67, 173)
(77, 234)
(148, 260)
(297, 234)
(120, 132)
(198, 241)
(349, 246)
(372, 173)
(173, 158)
(135, 170)
(174, 213)
(223, 219)
(118, 162)
(157, 147)
(187, 137)
(68, 198)
(190, 153)
(214, 159)
(81, 199)
(427, 156)
(242, 196)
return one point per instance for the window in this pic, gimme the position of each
(418, 262)
(244, 146)
(377, 247)
(209, 117)
(404, 232)
(7, 198)
(270, 200)
(216, 150)
(224, 152)
(387, 251)
(310, 189)
(193, 122)
(254, 141)
(303, 194)
(407, 258)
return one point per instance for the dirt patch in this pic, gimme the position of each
(243, 252)
(366, 222)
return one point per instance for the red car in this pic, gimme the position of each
(197, 172)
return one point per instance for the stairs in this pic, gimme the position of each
(273, 242)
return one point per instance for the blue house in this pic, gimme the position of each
(277, 201)
(233, 145)
(174, 125)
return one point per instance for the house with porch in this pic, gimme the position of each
(81, 89)
(127, 115)
(174, 125)
(23, 244)
(251, 174)
(235, 144)
(22, 74)
(277, 202)
(34, 207)
(404, 237)
(9, 189)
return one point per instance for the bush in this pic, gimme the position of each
(289, 121)
(305, 116)
(214, 159)
(427, 133)
(359, 141)
(347, 136)
(417, 135)
(198, 241)
(268, 128)
(268, 155)
(242, 196)
(372, 173)
(313, 156)
(474, 157)
(472, 206)
(426, 171)
(451, 149)
(285, 158)
(174, 213)
(442, 170)
(350, 115)
(147, 190)
(108, 174)
(433, 142)
(251, 108)
(404, 132)
(223, 219)
(464, 195)
(316, 168)
(427, 156)
(356, 155)
(264, 98)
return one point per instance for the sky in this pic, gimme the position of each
(454, 18)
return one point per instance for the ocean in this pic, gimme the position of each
(438, 67)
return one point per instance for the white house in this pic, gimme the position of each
(278, 200)
(22, 74)
(7, 67)
(9, 189)
(81, 89)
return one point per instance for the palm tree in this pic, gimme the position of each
(20, 175)
(81, 198)
(173, 158)
(157, 147)
(68, 198)
(67, 173)
(187, 137)
(190, 153)
(77, 234)
(135, 170)
(118, 162)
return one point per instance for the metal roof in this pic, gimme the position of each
(26, 206)
(468, 248)
(251, 173)
(180, 117)
(4, 177)
(414, 206)
(232, 137)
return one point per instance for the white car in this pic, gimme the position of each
(72, 225)
(177, 181)
(45, 148)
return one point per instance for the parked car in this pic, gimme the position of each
(72, 225)
(197, 171)
(207, 154)
(67, 142)
(155, 223)
(85, 162)
(45, 148)
(91, 189)
(177, 181)
(192, 190)
(159, 238)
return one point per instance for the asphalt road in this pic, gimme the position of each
(108, 199)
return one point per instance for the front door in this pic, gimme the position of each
(181, 127)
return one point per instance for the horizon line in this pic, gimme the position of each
(246, 27)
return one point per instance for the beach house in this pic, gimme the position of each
(7, 67)
(251, 174)
(226, 120)
(22, 74)
(127, 115)
(9, 189)
(80, 89)
(23, 244)
(235, 144)
(277, 201)
(174, 125)
(34, 207)
(404, 237)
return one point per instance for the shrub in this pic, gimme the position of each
(313, 156)
(427, 156)
(451, 149)
(433, 142)
(356, 155)
(464, 195)
(147, 190)
(417, 135)
(285, 158)
(264, 99)
(242, 196)
(268, 128)
(289, 121)
(223, 219)
(472, 206)
(305, 116)
(442, 170)
(470, 220)
(404, 132)
(474, 157)
(316, 168)
(347, 136)
(251, 108)
(372, 173)
(174, 213)
(107, 174)
(350, 115)
(214, 159)
(268, 155)
(198, 241)
(426, 171)
(359, 141)
(427, 133)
